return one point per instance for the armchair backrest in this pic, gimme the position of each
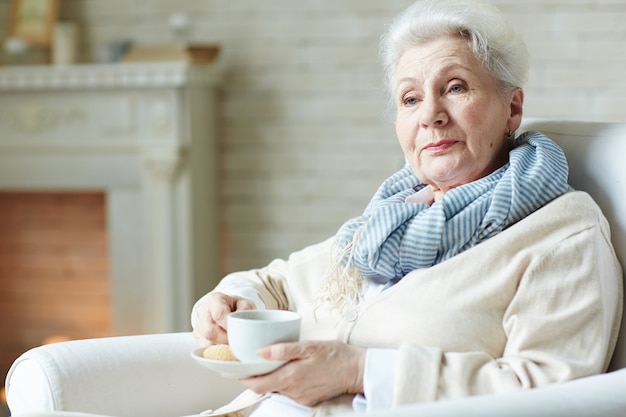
(596, 153)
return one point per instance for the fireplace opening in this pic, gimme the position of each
(54, 269)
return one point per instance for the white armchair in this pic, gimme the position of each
(154, 375)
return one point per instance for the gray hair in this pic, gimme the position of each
(499, 47)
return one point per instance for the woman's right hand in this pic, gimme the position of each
(209, 327)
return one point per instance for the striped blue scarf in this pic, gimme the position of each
(393, 237)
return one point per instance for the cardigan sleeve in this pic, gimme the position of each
(560, 325)
(269, 283)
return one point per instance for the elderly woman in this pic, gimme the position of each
(473, 270)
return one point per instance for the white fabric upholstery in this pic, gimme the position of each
(149, 375)
(597, 396)
(153, 375)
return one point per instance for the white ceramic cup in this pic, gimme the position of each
(250, 330)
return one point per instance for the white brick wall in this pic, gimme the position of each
(578, 57)
(304, 138)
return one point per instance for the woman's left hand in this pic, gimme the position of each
(316, 371)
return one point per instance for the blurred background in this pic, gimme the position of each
(303, 132)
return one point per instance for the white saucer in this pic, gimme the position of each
(235, 369)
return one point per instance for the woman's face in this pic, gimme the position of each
(452, 120)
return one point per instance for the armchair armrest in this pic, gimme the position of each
(122, 376)
(598, 395)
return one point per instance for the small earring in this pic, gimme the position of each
(510, 135)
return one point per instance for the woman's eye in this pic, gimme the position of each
(410, 101)
(457, 88)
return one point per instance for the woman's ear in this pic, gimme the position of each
(516, 105)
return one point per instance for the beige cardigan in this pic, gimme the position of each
(539, 303)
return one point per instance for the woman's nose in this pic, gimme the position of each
(433, 113)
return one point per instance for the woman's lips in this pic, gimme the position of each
(439, 147)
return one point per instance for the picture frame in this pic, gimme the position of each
(33, 21)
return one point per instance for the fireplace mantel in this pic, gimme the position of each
(145, 134)
(151, 75)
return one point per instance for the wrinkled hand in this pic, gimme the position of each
(210, 322)
(316, 371)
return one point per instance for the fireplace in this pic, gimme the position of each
(53, 269)
(141, 136)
